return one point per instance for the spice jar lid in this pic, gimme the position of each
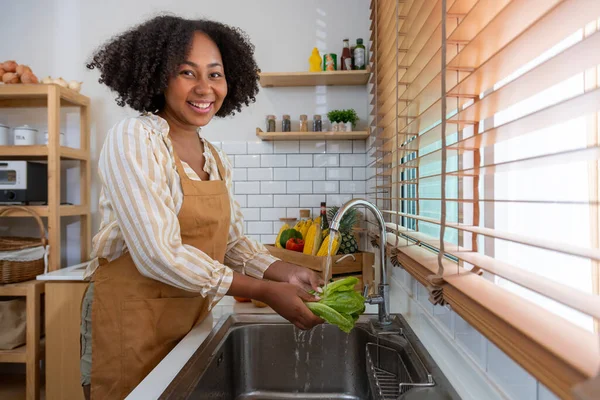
(270, 117)
(4, 126)
(286, 116)
(304, 213)
(317, 117)
(303, 117)
(26, 128)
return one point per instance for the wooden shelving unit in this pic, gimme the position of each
(54, 97)
(281, 136)
(33, 351)
(324, 78)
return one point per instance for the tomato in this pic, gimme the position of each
(295, 244)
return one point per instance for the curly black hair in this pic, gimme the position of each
(137, 64)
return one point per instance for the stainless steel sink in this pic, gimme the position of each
(257, 356)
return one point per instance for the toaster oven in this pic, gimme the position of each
(23, 182)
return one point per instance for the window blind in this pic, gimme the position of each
(485, 147)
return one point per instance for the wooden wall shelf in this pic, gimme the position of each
(36, 95)
(281, 136)
(324, 78)
(40, 152)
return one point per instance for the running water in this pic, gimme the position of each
(336, 235)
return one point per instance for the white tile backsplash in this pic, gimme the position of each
(338, 199)
(260, 147)
(299, 187)
(352, 160)
(359, 174)
(352, 187)
(239, 174)
(312, 146)
(358, 146)
(260, 227)
(312, 174)
(272, 187)
(514, 380)
(299, 160)
(273, 160)
(339, 146)
(247, 161)
(286, 174)
(268, 239)
(234, 147)
(311, 200)
(272, 214)
(246, 188)
(251, 214)
(241, 199)
(286, 147)
(327, 160)
(260, 174)
(286, 200)
(339, 174)
(293, 213)
(260, 200)
(326, 187)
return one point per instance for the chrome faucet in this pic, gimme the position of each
(382, 299)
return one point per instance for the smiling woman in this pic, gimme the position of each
(171, 244)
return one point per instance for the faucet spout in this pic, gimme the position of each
(382, 299)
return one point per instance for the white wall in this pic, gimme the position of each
(57, 37)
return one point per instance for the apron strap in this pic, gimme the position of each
(215, 154)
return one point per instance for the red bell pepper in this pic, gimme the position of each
(295, 244)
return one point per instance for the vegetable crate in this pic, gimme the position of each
(357, 264)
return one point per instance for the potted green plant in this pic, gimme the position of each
(342, 120)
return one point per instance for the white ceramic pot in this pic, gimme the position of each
(25, 135)
(335, 126)
(62, 138)
(348, 126)
(4, 135)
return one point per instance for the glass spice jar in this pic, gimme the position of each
(303, 123)
(271, 123)
(286, 124)
(317, 124)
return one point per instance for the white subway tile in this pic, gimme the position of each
(299, 160)
(246, 188)
(286, 147)
(352, 187)
(299, 187)
(272, 214)
(234, 147)
(252, 161)
(239, 174)
(338, 199)
(326, 160)
(358, 146)
(269, 160)
(473, 341)
(325, 187)
(251, 214)
(241, 199)
(260, 200)
(339, 146)
(260, 147)
(359, 173)
(312, 146)
(286, 200)
(286, 174)
(293, 213)
(271, 187)
(268, 239)
(308, 200)
(339, 174)
(312, 174)
(353, 160)
(260, 174)
(260, 228)
(359, 196)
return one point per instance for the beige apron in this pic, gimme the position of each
(137, 321)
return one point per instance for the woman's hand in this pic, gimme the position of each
(301, 277)
(288, 300)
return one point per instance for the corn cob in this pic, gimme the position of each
(313, 239)
(283, 228)
(325, 246)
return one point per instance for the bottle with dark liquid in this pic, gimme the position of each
(346, 56)
(324, 222)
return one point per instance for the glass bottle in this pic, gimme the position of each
(303, 123)
(346, 60)
(359, 55)
(317, 124)
(324, 221)
(286, 124)
(271, 123)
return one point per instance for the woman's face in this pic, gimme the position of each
(196, 92)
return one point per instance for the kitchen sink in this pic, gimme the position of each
(258, 356)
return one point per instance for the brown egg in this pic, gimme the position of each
(29, 77)
(21, 69)
(2, 72)
(10, 77)
(10, 66)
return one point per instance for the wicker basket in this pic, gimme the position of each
(14, 270)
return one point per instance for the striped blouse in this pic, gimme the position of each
(138, 152)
